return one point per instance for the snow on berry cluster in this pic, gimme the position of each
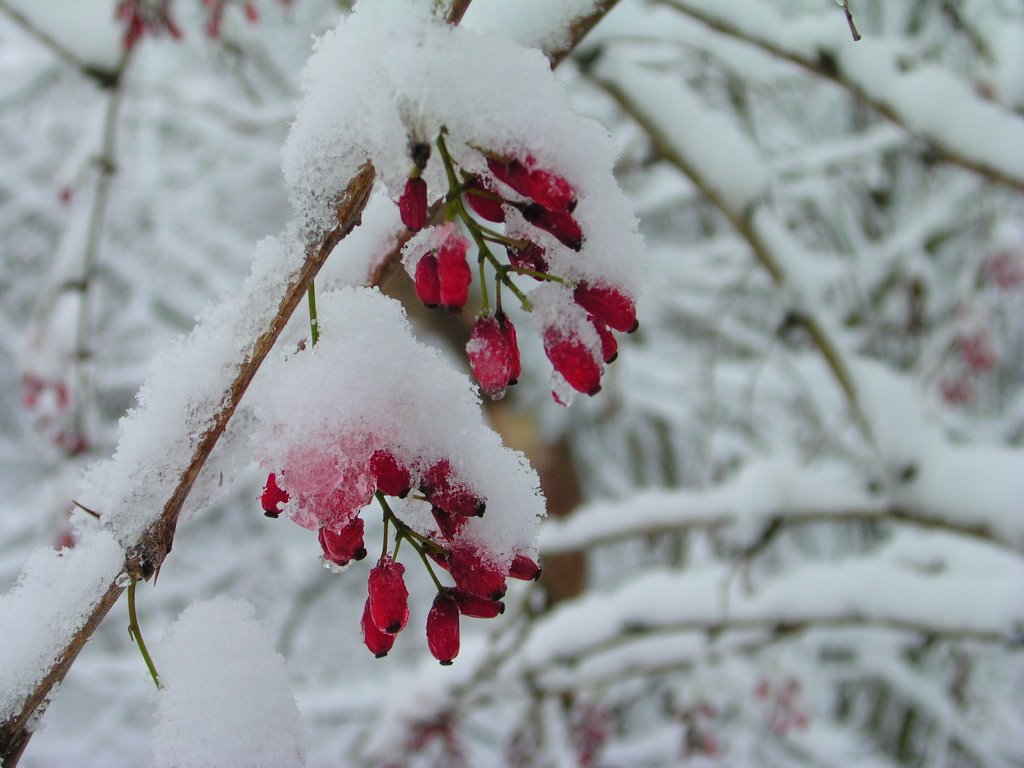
(371, 415)
(524, 186)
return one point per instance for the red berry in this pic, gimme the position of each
(544, 187)
(378, 642)
(428, 282)
(559, 223)
(389, 598)
(489, 356)
(342, 546)
(573, 360)
(524, 569)
(531, 257)
(447, 494)
(272, 496)
(483, 200)
(477, 607)
(977, 352)
(476, 575)
(391, 477)
(512, 343)
(449, 525)
(443, 628)
(609, 346)
(251, 12)
(413, 204)
(454, 272)
(609, 305)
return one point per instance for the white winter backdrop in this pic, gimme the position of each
(789, 531)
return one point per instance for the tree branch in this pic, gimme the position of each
(103, 77)
(828, 64)
(146, 557)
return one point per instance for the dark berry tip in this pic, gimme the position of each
(404, 493)
(272, 515)
(635, 327)
(360, 554)
(446, 663)
(380, 655)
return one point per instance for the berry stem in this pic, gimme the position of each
(314, 325)
(416, 540)
(136, 634)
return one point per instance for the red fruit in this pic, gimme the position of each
(489, 356)
(454, 272)
(609, 305)
(272, 496)
(447, 494)
(413, 204)
(477, 607)
(1006, 269)
(443, 628)
(440, 558)
(609, 346)
(543, 187)
(428, 282)
(524, 569)
(483, 200)
(251, 13)
(388, 597)
(574, 361)
(512, 343)
(977, 352)
(559, 223)
(342, 546)
(391, 477)
(476, 575)
(378, 642)
(531, 257)
(449, 525)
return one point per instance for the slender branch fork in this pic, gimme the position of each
(147, 555)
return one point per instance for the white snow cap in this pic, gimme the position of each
(368, 384)
(225, 699)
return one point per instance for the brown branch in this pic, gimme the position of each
(457, 11)
(774, 630)
(103, 77)
(579, 29)
(146, 557)
(743, 221)
(845, 5)
(784, 521)
(827, 65)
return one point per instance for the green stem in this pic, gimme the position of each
(136, 634)
(314, 324)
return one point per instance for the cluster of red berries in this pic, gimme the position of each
(154, 17)
(479, 580)
(49, 402)
(783, 710)
(442, 272)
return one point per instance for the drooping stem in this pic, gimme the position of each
(314, 324)
(136, 634)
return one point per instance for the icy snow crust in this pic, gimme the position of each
(391, 74)
(54, 595)
(369, 384)
(225, 699)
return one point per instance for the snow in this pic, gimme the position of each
(225, 698)
(184, 390)
(49, 604)
(543, 24)
(709, 143)
(762, 490)
(387, 390)
(404, 79)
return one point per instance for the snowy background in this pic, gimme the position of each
(789, 531)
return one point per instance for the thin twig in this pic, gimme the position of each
(104, 78)
(845, 5)
(135, 631)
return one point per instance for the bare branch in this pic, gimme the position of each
(104, 78)
(845, 5)
(827, 64)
